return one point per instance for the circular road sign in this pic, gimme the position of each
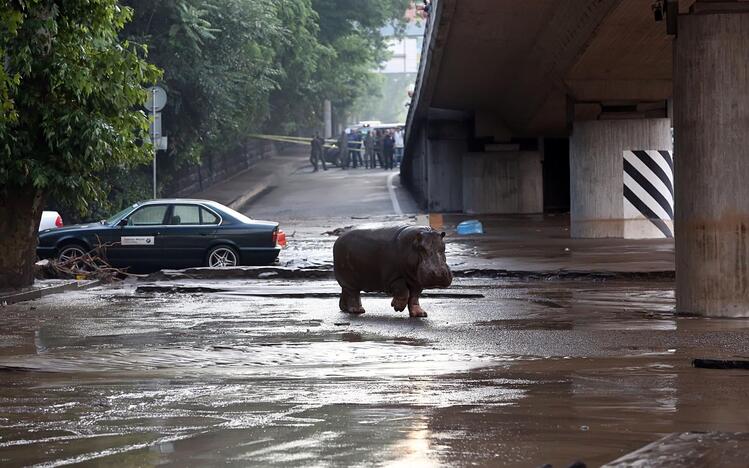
(157, 95)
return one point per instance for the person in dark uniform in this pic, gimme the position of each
(388, 150)
(321, 143)
(316, 152)
(369, 157)
(344, 153)
(354, 146)
(378, 147)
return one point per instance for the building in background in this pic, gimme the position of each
(397, 76)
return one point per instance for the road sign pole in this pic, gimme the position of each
(157, 95)
(153, 138)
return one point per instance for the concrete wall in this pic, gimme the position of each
(216, 168)
(413, 169)
(596, 150)
(502, 182)
(445, 182)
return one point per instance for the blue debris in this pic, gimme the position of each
(470, 227)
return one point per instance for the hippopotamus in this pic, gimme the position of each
(401, 261)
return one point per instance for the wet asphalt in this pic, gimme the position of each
(531, 373)
(268, 372)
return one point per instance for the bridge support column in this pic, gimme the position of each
(445, 146)
(711, 120)
(445, 183)
(620, 178)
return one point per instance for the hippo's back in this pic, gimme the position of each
(364, 258)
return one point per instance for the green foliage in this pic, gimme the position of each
(72, 84)
(234, 67)
(219, 61)
(70, 89)
(352, 29)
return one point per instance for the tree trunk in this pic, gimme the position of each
(20, 212)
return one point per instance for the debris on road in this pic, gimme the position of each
(91, 265)
(470, 227)
(267, 274)
(338, 231)
(720, 364)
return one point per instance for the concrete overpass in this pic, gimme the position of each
(526, 106)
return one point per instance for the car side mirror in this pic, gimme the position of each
(122, 222)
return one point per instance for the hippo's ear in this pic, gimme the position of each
(443, 234)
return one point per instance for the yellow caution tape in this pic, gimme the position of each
(301, 141)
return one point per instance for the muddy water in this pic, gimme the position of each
(531, 373)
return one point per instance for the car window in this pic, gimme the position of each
(236, 215)
(119, 215)
(185, 214)
(151, 215)
(208, 217)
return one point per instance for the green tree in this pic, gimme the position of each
(236, 67)
(218, 58)
(70, 90)
(352, 29)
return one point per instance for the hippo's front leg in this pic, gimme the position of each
(414, 309)
(400, 292)
(351, 301)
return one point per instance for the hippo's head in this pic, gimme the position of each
(432, 270)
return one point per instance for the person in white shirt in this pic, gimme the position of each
(398, 146)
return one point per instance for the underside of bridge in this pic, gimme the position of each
(537, 105)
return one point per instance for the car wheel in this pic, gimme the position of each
(68, 253)
(222, 256)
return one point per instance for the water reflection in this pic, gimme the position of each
(414, 450)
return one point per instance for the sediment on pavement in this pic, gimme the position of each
(268, 272)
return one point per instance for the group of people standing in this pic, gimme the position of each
(365, 147)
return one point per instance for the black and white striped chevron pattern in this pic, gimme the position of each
(649, 188)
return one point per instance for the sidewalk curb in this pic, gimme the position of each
(23, 296)
(250, 196)
(269, 182)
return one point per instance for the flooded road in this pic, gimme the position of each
(502, 373)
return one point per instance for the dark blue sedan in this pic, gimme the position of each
(176, 233)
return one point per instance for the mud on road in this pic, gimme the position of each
(502, 373)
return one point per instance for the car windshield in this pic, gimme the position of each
(119, 215)
(235, 214)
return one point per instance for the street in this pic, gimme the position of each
(333, 194)
(506, 371)
(547, 265)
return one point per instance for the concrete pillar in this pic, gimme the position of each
(328, 116)
(598, 207)
(711, 120)
(447, 141)
(445, 181)
(414, 167)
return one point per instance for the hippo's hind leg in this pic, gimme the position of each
(399, 289)
(351, 301)
(414, 309)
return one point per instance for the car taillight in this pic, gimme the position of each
(282, 239)
(58, 221)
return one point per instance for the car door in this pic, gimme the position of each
(138, 241)
(187, 236)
